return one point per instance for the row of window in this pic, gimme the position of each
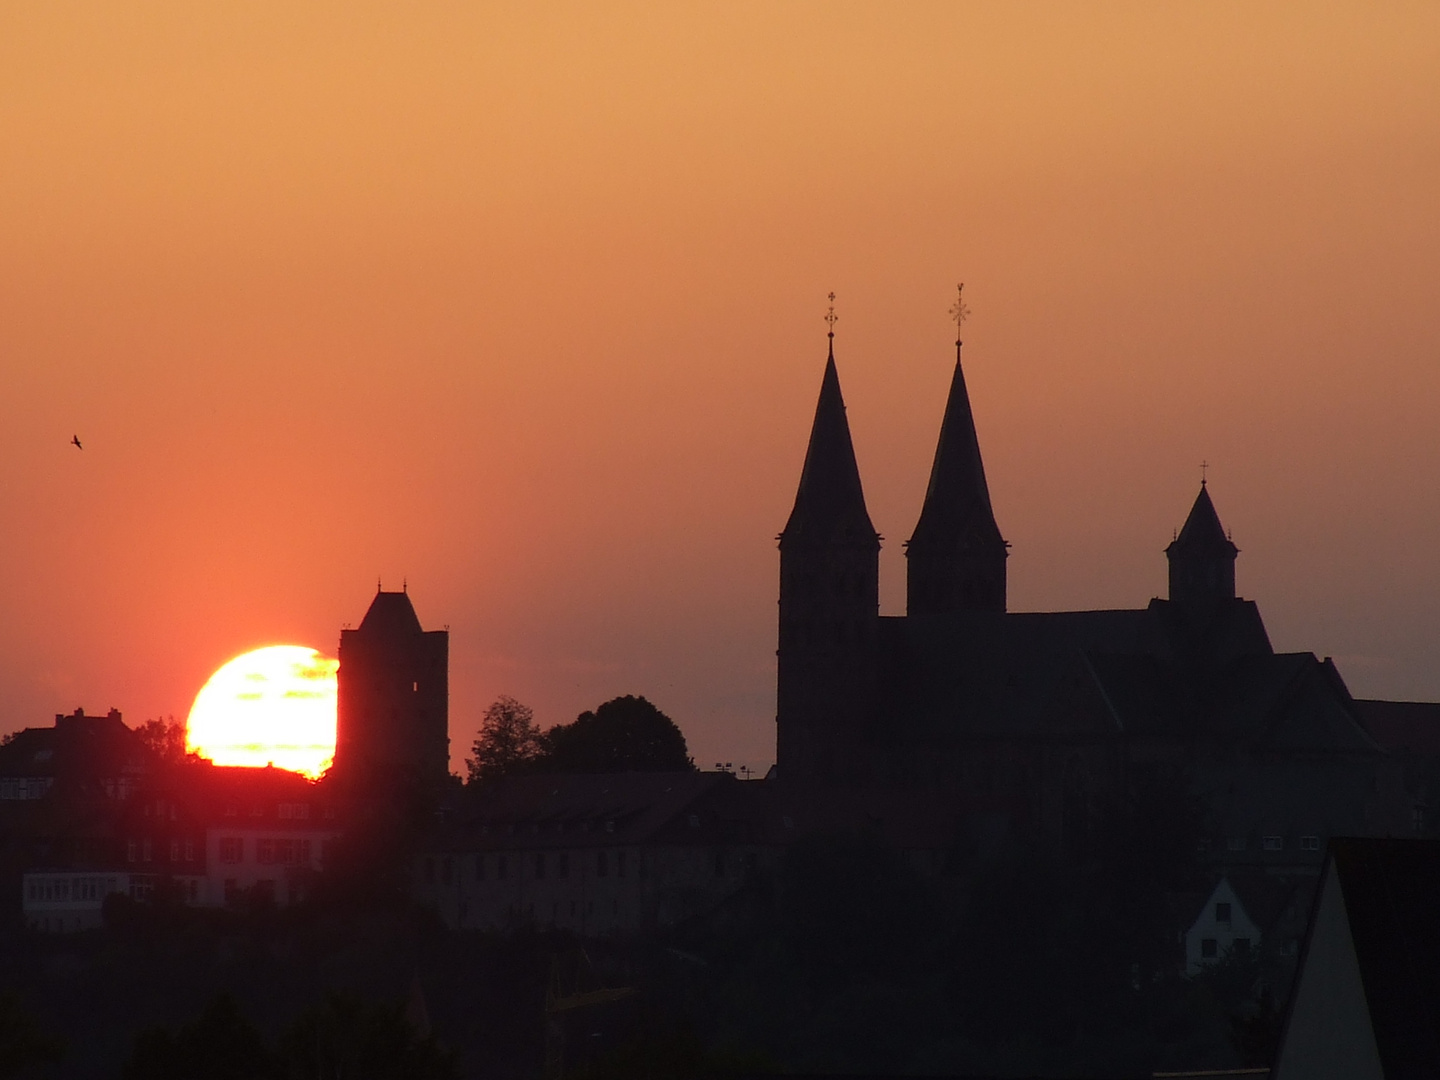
(71, 889)
(144, 850)
(24, 787)
(1267, 843)
(285, 811)
(269, 851)
(542, 865)
(1210, 947)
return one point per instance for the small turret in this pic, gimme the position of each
(1202, 559)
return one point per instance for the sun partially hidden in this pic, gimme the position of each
(273, 706)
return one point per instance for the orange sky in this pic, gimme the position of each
(523, 303)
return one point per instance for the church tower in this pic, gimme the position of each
(1202, 559)
(829, 606)
(955, 561)
(393, 727)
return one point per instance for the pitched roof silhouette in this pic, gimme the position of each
(1366, 999)
(391, 613)
(830, 504)
(957, 507)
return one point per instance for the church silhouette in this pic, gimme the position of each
(1027, 722)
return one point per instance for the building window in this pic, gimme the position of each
(293, 811)
(1273, 843)
(602, 863)
(1309, 843)
(1208, 950)
(146, 852)
(1241, 946)
(189, 850)
(1222, 914)
(1417, 819)
(232, 849)
(539, 866)
(174, 850)
(132, 851)
(1235, 843)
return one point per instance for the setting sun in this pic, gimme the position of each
(274, 705)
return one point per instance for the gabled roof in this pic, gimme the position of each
(1202, 535)
(829, 503)
(957, 511)
(391, 614)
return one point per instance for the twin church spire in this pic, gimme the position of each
(956, 556)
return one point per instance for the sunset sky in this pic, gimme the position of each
(523, 304)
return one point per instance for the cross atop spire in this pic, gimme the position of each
(1204, 468)
(959, 312)
(831, 319)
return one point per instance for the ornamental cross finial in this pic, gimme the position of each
(958, 311)
(1204, 469)
(831, 317)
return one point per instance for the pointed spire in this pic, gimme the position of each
(1202, 535)
(830, 503)
(957, 500)
(956, 556)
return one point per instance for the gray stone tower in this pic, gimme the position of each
(394, 713)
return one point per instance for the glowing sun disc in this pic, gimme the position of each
(272, 706)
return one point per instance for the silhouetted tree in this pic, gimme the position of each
(508, 742)
(221, 1044)
(626, 734)
(23, 1045)
(166, 738)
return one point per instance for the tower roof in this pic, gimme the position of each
(391, 613)
(830, 504)
(1202, 534)
(957, 502)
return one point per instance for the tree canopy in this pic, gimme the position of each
(508, 741)
(625, 734)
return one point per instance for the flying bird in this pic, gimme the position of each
(76, 440)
